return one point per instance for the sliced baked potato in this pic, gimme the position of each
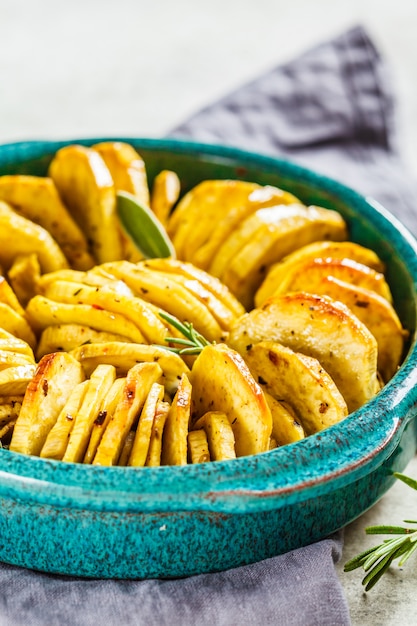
(19, 236)
(221, 381)
(139, 381)
(24, 275)
(36, 198)
(166, 190)
(198, 450)
(10, 342)
(174, 438)
(211, 283)
(317, 249)
(8, 296)
(14, 380)
(67, 337)
(143, 433)
(286, 427)
(100, 383)
(267, 236)
(299, 381)
(16, 324)
(377, 314)
(57, 439)
(192, 221)
(220, 436)
(127, 168)
(106, 412)
(86, 187)
(43, 312)
(107, 298)
(319, 327)
(261, 198)
(304, 275)
(153, 458)
(167, 294)
(46, 394)
(125, 355)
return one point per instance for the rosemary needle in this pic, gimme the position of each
(376, 560)
(193, 341)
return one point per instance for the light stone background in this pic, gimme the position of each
(97, 67)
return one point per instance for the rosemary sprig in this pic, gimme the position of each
(376, 561)
(193, 343)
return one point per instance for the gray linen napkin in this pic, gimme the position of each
(331, 110)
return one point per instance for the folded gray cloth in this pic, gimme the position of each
(297, 589)
(331, 110)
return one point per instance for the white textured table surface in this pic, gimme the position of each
(98, 67)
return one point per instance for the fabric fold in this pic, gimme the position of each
(332, 109)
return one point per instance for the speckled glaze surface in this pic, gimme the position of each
(177, 521)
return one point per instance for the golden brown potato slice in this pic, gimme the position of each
(67, 337)
(142, 437)
(107, 409)
(24, 275)
(266, 237)
(377, 314)
(8, 296)
(229, 221)
(305, 275)
(14, 344)
(127, 168)
(299, 381)
(86, 187)
(139, 381)
(220, 437)
(15, 380)
(105, 297)
(206, 201)
(126, 449)
(165, 193)
(94, 278)
(207, 214)
(317, 249)
(174, 438)
(155, 445)
(286, 427)
(128, 172)
(99, 386)
(212, 284)
(19, 236)
(223, 316)
(37, 199)
(221, 381)
(57, 440)
(198, 451)
(319, 327)
(46, 394)
(16, 324)
(14, 359)
(9, 412)
(167, 294)
(125, 355)
(43, 312)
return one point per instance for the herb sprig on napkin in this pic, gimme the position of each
(376, 561)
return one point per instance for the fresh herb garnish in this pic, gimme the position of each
(143, 227)
(376, 561)
(193, 341)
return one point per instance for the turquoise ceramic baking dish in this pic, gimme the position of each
(177, 521)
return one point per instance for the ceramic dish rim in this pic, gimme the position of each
(289, 474)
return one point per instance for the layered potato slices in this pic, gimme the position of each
(268, 326)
